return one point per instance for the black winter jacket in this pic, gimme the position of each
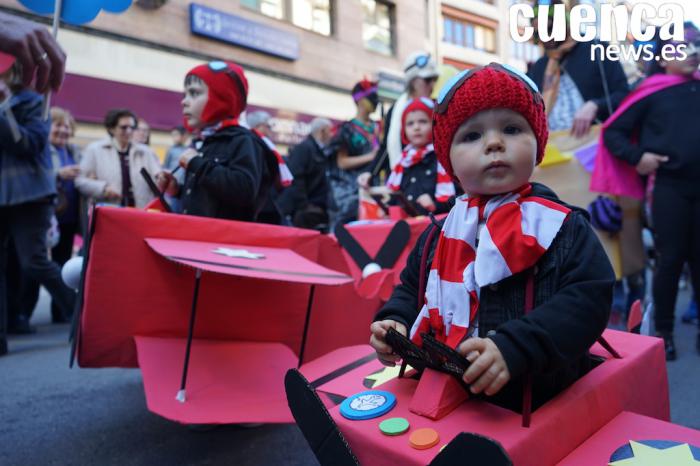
(421, 179)
(665, 122)
(307, 162)
(573, 294)
(232, 179)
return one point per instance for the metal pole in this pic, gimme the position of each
(57, 7)
(181, 397)
(306, 323)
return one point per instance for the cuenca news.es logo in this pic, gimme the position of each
(609, 24)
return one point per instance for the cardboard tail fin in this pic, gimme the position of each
(393, 245)
(316, 423)
(350, 244)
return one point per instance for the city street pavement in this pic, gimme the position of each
(52, 415)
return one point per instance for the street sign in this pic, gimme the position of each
(225, 27)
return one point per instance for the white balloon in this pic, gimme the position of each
(370, 268)
(71, 272)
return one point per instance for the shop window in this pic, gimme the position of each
(313, 15)
(378, 26)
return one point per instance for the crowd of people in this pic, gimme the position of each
(224, 164)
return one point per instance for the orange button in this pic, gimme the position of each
(425, 438)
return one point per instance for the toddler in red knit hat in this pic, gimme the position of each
(513, 278)
(230, 171)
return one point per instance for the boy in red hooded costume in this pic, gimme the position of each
(229, 170)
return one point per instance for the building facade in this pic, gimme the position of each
(301, 56)
(476, 32)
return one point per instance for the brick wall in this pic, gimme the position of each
(339, 60)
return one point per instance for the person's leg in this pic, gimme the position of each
(22, 294)
(4, 234)
(60, 254)
(28, 229)
(690, 316)
(618, 306)
(13, 283)
(636, 284)
(694, 260)
(672, 215)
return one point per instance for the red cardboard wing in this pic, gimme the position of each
(229, 382)
(246, 261)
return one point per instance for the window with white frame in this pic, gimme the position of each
(470, 35)
(313, 15)
(378, 26)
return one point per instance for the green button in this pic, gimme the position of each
(394, 426)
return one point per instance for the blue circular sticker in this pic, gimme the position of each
(367, 405)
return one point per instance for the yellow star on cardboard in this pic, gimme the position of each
(644, 455)
(385, 375)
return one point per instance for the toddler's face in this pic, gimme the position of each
(196, 96)
(418, 127)
(493, 152)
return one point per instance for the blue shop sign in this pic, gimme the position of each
(218, 25)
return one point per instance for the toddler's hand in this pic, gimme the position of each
(488, 371)
(385, 353)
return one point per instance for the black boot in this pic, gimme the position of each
(697, 343)
(57, 316)
(3, 346)
(20, 326)
(669, 346)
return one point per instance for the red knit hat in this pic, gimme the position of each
(422, 104)
(491, 86)
(228, 90)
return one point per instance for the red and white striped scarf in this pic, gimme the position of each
(411, 156)
(286, 177)
(517, 230)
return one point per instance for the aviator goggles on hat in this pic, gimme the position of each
(450, 88)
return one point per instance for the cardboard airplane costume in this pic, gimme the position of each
(214, 312)
(620, 403)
